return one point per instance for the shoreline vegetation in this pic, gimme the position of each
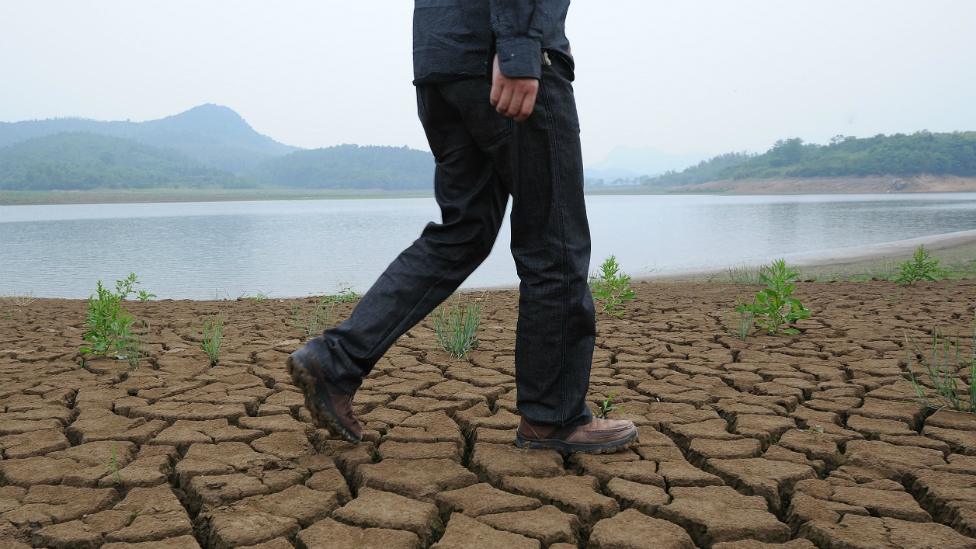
(782, 186)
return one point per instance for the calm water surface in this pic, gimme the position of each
(296, 248)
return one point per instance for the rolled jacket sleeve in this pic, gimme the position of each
(517, 25)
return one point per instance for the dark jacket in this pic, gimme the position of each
(457, 38)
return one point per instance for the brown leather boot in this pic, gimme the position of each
(330, 408)
(599, 436)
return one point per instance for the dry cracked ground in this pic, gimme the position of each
(795, 442)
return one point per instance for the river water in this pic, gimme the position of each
(296, 248)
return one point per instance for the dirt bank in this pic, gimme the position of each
(956, 252)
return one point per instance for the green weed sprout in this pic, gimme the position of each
(611, 288)
(113, 466)
(606, 407)
(109, 328)
(922, 266)
(145, 295)
(774, 306)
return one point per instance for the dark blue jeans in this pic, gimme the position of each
(482, 158)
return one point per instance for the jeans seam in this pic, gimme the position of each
(557, 196)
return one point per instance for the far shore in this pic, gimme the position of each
(153, 196)
(796, 186)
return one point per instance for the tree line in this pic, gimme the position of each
(85, 161)
(921, 153)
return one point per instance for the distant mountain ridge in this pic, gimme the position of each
(388, 168)
(207, 146)
(629, 163)
(212, 134)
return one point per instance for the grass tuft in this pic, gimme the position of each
(112, 467)
(344, 295)
(456, 326)
(740, 322)
(315, 320)
(945, 369)
(213, 333)
(744, 275)
(20, 300)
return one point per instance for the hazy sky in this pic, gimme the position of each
(682, 76)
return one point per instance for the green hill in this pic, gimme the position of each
(350, 167)
(921, 153)
(83, 161)
(208, 145)
(212, 134)
(79, 161)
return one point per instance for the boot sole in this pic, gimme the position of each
(321, 411)
(564, 447)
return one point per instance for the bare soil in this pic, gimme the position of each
(813, 440)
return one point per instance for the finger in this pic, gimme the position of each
(516, 104)
(528, 105)
(496, 93)
(505, 100)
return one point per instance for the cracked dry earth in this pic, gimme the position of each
(792, 442)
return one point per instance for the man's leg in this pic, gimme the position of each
(539, 161)
(472, 204)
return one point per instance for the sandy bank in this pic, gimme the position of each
(956, 251)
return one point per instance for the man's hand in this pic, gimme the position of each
(513, 97)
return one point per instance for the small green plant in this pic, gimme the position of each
(611, 288)
(345, 295)
(456, 326)
(922, 266)
(145, 295)
(315, 320)
(109, 328)
(774, 306)
(741, 322)
(213, 332)
(606, 407)
(113, 466)
(944, 369)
